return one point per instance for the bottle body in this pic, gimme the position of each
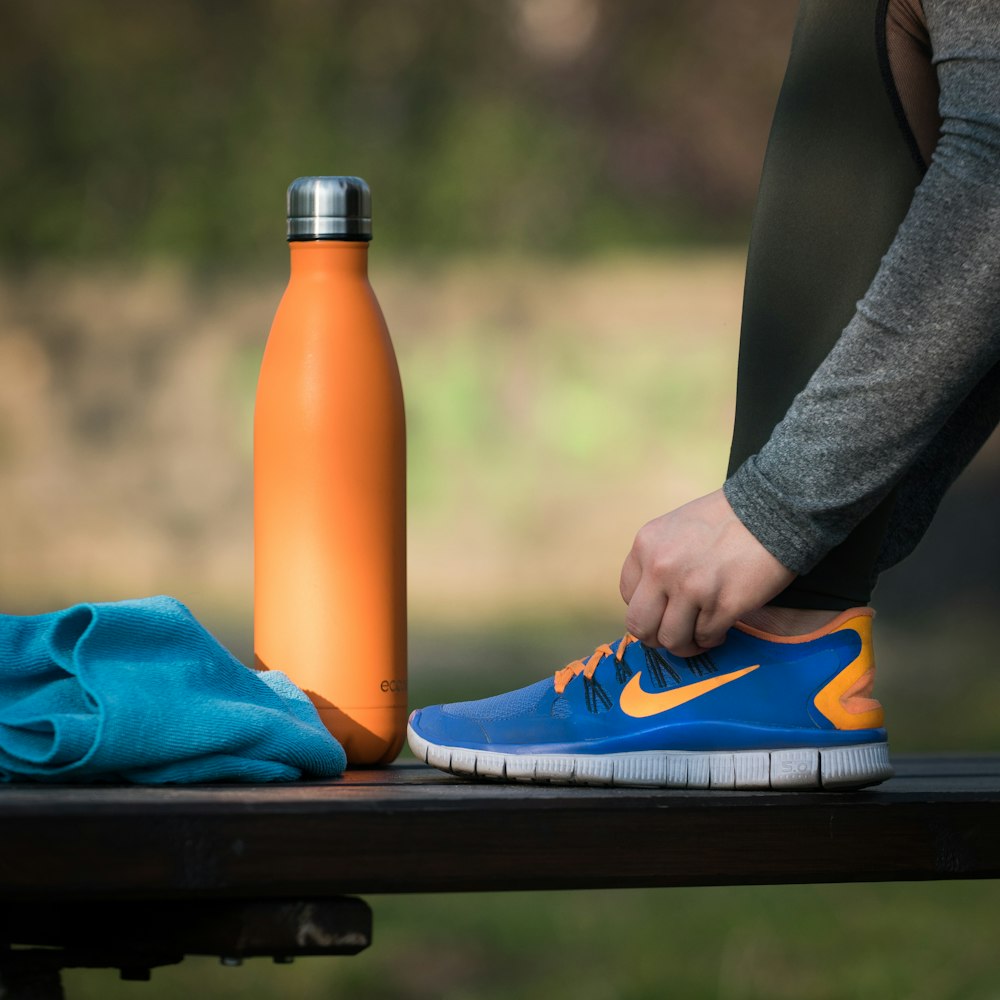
(329, 502)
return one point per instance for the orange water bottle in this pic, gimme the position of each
(329, 480)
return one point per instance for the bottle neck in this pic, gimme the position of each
(314, 257)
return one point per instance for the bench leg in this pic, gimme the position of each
(27, 975)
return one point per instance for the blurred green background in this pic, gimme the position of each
(562, 194)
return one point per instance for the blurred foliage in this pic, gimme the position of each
(550, 409)
(919, 941)
(556, 125)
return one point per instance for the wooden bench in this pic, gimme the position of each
(135, 877)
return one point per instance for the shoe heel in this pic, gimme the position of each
(855, 767)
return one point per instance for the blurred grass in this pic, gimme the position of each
(552, 409)
(910, 941)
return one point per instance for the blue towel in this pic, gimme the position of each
(139, 691)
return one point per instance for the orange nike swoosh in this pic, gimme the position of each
(641, 704)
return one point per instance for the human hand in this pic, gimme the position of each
(692, 573)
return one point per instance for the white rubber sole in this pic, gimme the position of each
(806, 767)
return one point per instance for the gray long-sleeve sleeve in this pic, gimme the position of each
(926, 332)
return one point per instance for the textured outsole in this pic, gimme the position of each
(801, 768)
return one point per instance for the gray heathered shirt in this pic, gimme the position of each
(892, 399)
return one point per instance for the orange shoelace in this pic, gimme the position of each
(588, 666)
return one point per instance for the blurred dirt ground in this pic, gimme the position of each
(551, 410)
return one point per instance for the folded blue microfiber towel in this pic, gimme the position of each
(139, 691)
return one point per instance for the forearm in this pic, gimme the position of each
(925, 333)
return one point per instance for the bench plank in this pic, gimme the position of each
(409, 828)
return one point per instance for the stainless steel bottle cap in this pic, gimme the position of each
(329, 208)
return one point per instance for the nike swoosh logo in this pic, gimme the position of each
(641, 704)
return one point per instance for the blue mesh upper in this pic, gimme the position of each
(561, 709)
(502, 706)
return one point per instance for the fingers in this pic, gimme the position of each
(711, 628)
(692, 572)
(645, 611)
(676, 624)
(677, 627)
(631, 574)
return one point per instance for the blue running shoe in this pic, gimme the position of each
(759, 711)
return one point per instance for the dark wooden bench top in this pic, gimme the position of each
(412, 829)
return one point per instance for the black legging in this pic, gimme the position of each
(855, 123)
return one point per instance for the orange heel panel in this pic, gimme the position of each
(847, 700)
(842, 620)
